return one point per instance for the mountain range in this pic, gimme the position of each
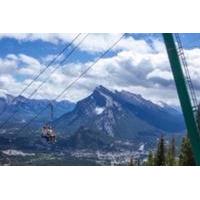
(121, 115)
(25, 109)
(104, 120)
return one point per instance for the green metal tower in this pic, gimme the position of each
(183, 93)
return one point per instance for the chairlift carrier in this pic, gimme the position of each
(48, 131)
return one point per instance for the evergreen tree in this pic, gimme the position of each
(186, 157)
(131, 162)
(138, 163)
(150, 159)
(171, 153)
(160, 154)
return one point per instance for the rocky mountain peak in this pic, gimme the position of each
(121, 114)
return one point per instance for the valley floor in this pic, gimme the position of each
(75, 158)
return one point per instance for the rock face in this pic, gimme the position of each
(121, 115)
(86, 139)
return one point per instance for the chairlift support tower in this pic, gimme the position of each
(183, 90)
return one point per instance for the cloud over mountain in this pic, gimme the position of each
(134, 64)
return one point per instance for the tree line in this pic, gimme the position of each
(166, 154)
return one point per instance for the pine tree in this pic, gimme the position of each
(160, 154)
(186, 157)
(150, 159)
(171, 153)
(131, 162)
(138, 162)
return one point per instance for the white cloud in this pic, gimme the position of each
(46, 37)
(28, 60)
(137, 67)
(126, 70)
(147, 73)
(6, 80)
(20, 65)
(7, 65)
(95, 42)
(101, 42)
(157, 73)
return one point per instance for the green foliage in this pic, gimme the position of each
(150, 159)
(163, 157)
(186, 157)
(168, 157)
(171, 153)
(131, 162)
(160, 159)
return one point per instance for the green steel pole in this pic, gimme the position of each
(192, 128)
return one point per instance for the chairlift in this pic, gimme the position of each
(48, 131)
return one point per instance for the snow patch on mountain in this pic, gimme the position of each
(109, 100)
(137, 98)
(99, 110)
(23, 121)
(141, 148)
(161, 104)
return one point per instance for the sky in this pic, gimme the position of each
(138, 64)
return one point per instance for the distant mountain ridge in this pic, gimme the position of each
(27, 108)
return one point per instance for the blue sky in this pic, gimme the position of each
(138, 64)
